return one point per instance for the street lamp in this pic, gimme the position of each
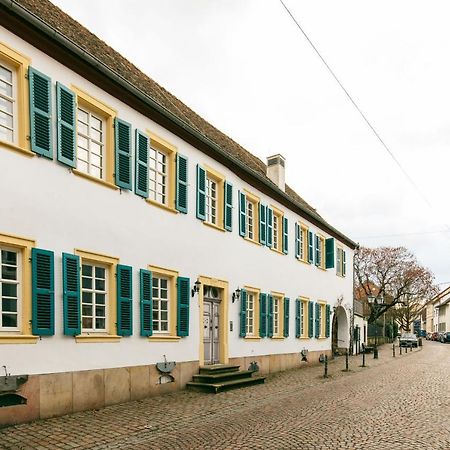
(375, 303)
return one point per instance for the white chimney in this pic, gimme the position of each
(275, 170)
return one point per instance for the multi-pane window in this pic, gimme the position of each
(276, 226)
(7, 103)
(211, 201)
(250, 220)
(90, 143)
(340, 261)
(93, 297)
(250, 325)
(302, 318)
(276, 316)
(303, 237)
(320, 251)
(158, 176)
(9, 289)
(160, 298)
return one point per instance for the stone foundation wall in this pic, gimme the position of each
(58, 394)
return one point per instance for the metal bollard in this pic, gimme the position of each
(400, 347)
(364, 359)
(325, 367)
(406, 349)
(346, 360)
(375, 353)
(393, 350)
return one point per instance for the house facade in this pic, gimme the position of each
(134, 233)
(441, 308)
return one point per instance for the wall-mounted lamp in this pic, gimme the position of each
(236, 295)
(196, 288)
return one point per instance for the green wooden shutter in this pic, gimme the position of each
(71, 294)
(262, 224)
(297, 240)
(242, 214)
(329, 252)
(124, 300)
(122, 139)
(286, 317)
(201, 193)
(40, 113)
(269, 315)
(141, 172)
(298, 331)
(263, 315)
(181, 186)
(43, 292)
(310, 319)
(285, 235)
(228, 206)
(310, 247)
(317, 320)
(146, 304)
(269, 233)
(243, 314)
(183, 291)
(327, 327)
(344, 263)
(66, 128)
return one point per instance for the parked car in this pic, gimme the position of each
(408, 340)
(435, 336)
(445, 337)
(428, 336)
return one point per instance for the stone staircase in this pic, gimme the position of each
(221, 377)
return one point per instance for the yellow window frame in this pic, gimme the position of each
(339, 261)
(219, 178)
(171, 151)
(172, 276)
(111, 263)
(24, 336)
(322, 251)
(280, 297)
(20, 63)
(305, 325)
(254, 200)
(108, 114)
(304, 241)
(255, 291)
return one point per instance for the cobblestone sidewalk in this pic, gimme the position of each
(400, 403)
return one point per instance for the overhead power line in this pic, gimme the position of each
(418, 233)
(366, 120)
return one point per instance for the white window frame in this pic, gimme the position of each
(250, 315)
(276, 315)
(12, 99)
(93, 292)
(158, 300)
(250, 210)
(88, 136)
(156, 194)
(275, 234)
(211, 200)
(18, 282)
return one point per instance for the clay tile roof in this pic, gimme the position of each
(51, 15)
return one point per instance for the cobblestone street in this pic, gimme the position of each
(395, 403)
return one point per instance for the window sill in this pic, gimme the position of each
(18, 339)
(252, 338)
(304, 261)
(16, 148)
(280, 252)
(94, 179)
(164, 338)
(216, 227)
(161, 205)
(92, 338)
(322, 337)
(253, 241)
(278, 338)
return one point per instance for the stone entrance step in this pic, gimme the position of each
(221, 377)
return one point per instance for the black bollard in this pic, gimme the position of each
(393, 350)
(406, 349)
(400, 347)
(325, 367)
(375, 353)
(364, 359)
(346, 360)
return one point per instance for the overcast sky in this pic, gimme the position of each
(245, 67)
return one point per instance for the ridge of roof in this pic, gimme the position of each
(92, 45)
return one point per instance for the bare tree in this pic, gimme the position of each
(395, 274)
(407, 311)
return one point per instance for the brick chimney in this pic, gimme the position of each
(275, 170)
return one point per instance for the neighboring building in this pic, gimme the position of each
(441, 309)
(131, 231)
(359, 326)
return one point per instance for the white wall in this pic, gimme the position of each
(43, 200)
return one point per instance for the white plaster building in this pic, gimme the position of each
(127, 226)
